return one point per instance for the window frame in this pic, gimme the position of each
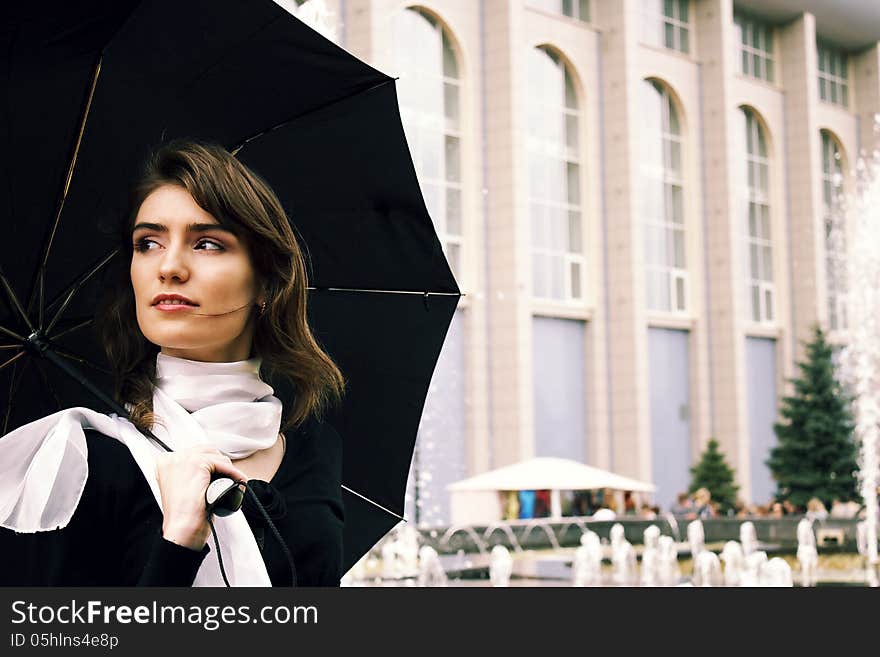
(417, 124)
(756, 43)
(562, 262)
(657, 24)
(670, 179)
(833, 84)
(759, 235)
(834, 221)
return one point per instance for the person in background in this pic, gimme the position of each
(526, 504)
(683, 507)
(580, 503)
(816, 510)
(629, 503)
(703, 501)
(511, 504)
(542, 503)
(844, 509)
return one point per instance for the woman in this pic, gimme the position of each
(213, 297)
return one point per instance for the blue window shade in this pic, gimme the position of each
(761, 385)
(670, 413)
(558, 348)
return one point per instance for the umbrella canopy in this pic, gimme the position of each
(547, 473)
(92, 87)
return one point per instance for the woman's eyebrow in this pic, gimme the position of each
(191, 228)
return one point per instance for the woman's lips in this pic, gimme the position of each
(173, 307)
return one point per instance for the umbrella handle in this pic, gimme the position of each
(223, 496)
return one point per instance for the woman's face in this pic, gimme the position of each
(181, 249)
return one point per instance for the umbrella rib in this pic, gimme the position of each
(376, 504)
(79, 359)
(234, 150)
(72, 328)
(11, 394)
(354, 289)
(12, 334)
(70, 168)
(13, 359)
(15, 303)
(72, 290)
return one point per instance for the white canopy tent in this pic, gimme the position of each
(477, 501)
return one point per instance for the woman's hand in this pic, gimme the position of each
(183, 477)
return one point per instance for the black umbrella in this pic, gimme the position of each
(91, 87)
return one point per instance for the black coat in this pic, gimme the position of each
(114, 537)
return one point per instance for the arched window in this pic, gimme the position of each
(835, 230)
(554, 179)
(662, 201)
(759, 235)
(428, 94)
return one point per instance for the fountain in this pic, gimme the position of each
(734, 561)
(667, 566)
(586, 569)
(696, 537)
(623, 558)
(446, 539)
(707, 569)
(431, 571)
(861, 357)
(748, 538)
(776, 572)
(408, 550)
(500, 566)
(753, 573)
(807, 555)
(508, 532)
(390, 565)
(650, 572)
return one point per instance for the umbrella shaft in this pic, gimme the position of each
(68, 369)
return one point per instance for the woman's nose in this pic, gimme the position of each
(173, 264)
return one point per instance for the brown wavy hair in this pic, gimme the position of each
(245, 204)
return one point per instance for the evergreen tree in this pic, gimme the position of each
(816, 452)
(713, 473)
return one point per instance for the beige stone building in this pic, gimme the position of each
(636, 197)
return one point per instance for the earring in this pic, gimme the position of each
(262, 308)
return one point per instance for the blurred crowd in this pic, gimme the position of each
(701, 505)
(598, 504)
(608, 505)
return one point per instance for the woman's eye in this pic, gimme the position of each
(142, 245)
(215, 246)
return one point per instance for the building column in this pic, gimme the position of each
(804, 156)
(724, 235)
(630, 411)
(508, 236)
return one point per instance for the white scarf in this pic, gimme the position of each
(44, 464)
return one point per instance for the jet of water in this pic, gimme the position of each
(861, 358)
